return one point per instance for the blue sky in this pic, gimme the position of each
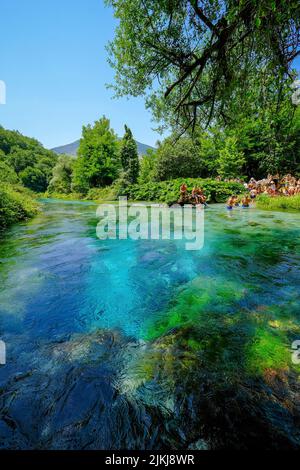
(53, 61)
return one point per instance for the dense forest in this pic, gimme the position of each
(25, 167)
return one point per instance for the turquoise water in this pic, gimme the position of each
(59, 278)
(77, 315)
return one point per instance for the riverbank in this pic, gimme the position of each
(167, 191)
(161, 191)
(288, 203)
(16, 204)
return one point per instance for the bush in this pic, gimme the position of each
(102, 194)
(16, 204)
(279, 202)
(109, 193)
(168, 191)
(161, 191)
(62, 196)
(7, 174)
(34, 179)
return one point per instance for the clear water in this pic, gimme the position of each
(77, 313)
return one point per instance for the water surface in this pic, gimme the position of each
(98, 331)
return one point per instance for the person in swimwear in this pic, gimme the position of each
(195, 195)
(183, 189)
(183, 193)
(246, 201)
(203, 200)
(201, 197)
(230, 203)
(236, 201)
(198, 195)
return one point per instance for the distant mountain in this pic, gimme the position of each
(71, 149)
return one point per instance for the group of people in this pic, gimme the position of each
(237, 201)
(287, 185)
(197, 196)
(230, 180)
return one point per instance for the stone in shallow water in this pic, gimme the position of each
(73, 401)
(151, 256)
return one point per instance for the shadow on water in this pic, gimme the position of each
(144, 345)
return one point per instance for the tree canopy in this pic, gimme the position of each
(61, 180)
(181, 159)
(98, 161)
(129, 156)
(194, 58)
(27, 158)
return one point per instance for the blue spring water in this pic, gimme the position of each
(59, 280)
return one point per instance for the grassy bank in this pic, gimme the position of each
(162, 191)
(291, 203)
(109, 193)
(62, 196)
(16, 204)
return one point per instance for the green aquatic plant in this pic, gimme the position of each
(206, 320)
(267, 350)
(200, 296)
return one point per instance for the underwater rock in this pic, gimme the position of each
(151, 256)
(73, 401)
(106, 391)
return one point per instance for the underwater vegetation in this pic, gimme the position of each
(231, 376)
(144, 345)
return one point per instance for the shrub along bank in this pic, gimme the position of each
(16, 204)
(162, 191)
(267, 202)
(168, 191)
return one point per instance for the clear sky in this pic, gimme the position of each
(53, 61)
